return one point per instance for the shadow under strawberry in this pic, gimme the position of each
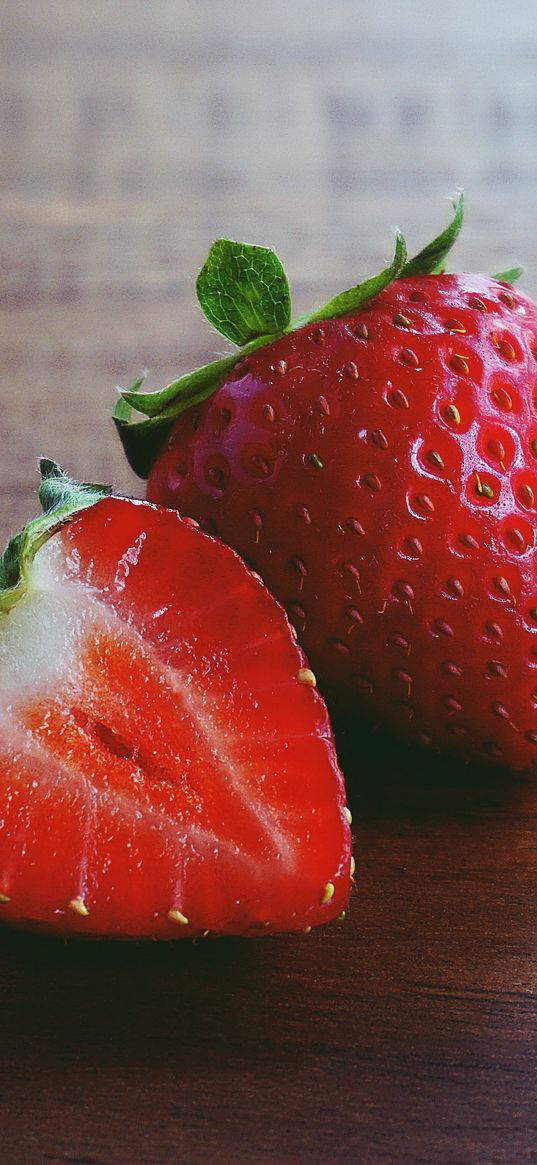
(383, 774)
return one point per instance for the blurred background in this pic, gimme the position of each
(134, 133)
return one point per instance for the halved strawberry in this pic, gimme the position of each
(166, 766)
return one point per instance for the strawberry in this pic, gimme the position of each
(376, 462)
(166, 766)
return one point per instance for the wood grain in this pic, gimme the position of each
(132, 135)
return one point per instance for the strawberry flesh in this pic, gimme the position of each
(163, 772)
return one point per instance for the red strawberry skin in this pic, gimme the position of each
(380, 473)
(163, 770)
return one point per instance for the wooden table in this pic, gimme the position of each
(132, 135)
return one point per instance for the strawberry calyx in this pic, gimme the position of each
(244, 293)
(60, 499)
(510, 276)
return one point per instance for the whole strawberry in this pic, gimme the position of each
(377, 463)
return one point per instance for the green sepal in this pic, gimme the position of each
(243, 291)
(60, 498)
(509, 276)
(190, 389)
(430, 260)
(142, 440)
(356, 297)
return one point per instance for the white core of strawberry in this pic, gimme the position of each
(41, 636)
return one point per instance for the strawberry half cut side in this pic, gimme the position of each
(167, 768)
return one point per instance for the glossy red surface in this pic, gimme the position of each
(379, 472)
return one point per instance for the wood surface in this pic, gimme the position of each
(132, 134)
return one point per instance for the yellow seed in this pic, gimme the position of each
(78, 906)
(347, 814)
(306, 676)
(483, 489)
(341, 916)
(4, 898)
(328, 893)
(177, 916)
(307, 930)
(353, 866)
(459, 364)
(452, 413)
(455, 326)
(435, 459)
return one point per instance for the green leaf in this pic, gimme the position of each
(356, 297)
(60, 498)
(431, 257)
(142, 441)
(509, 276)
(190, 388)
(243, 291)
(125, 404)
